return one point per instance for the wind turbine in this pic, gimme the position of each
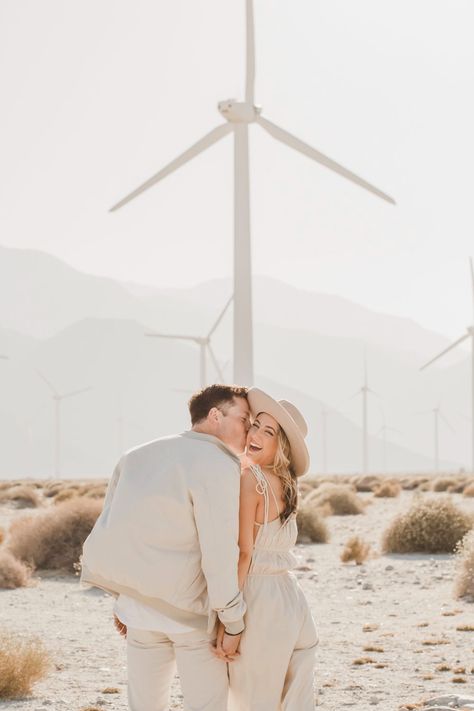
(58, 398)
(204, 343)
(365, 390)
(437, 415)
(469, 334)
(384, 430)
(239, 115)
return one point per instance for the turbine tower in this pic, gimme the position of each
(384, 429)
(437, 415)
(365, 390)
(469, 334)
(204, 343)
(239, 115)
(58, 398)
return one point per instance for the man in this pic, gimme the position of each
(166, 545)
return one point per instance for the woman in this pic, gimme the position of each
(274, 670)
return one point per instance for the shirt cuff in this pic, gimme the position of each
(234, 628)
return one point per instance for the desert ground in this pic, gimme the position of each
(402, 606)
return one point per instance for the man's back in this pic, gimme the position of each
(169, 529)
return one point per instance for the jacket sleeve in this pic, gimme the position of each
(216, 512)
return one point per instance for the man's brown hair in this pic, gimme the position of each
(213, 396)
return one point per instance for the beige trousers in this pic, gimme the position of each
(152, 658)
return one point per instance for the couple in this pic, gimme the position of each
(196, 547)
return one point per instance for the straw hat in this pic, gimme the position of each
(290, 420)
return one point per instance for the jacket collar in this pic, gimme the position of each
(214, 440)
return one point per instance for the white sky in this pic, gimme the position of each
(98, 95)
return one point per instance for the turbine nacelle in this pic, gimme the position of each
(238, 111)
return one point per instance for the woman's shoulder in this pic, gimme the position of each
(248, 481)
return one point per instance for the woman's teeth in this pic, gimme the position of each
(254, 448)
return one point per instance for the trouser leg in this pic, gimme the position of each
(151, 665)
(298, 691)
(204, 679)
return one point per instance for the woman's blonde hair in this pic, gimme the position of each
(283, 469)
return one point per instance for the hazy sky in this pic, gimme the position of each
(98, 95)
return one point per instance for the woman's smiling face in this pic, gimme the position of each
(262, 440)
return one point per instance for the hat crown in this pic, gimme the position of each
(295, 415)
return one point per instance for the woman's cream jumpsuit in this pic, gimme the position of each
(277, 652)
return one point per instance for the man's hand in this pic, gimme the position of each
(226, 646)
(230, 645)
(122, 629)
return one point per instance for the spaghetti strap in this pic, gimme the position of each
(262, 488)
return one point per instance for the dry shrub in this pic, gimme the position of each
(95, 492)
(367, 482)
(341, 498)
(64, 495)
(442, 483)
(464, 584)
(468, 489)
(387, 489)
(21, 496)
(311, 525)
(23, 662)
(355, 549)
(52, 488)
(429, 526)
(53, 540)
(13, 573)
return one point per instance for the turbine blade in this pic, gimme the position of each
(449, 348)
(172, 336)
(298, 145)
(220, 317)
(250, 66)
(216, 364)
(45, 380)
(75, 392)
(208, 140)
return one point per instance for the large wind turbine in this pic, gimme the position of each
(469, 334)
(204, 343)
(238, 115)
(58, 398)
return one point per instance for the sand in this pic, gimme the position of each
(394, 593)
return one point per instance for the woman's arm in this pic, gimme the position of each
(248, 508)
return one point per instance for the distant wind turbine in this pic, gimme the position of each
(365, 390)
(204, 343)
(239, 115)
(469, 334)
(437, 415)
(58, 398)
(384, 429)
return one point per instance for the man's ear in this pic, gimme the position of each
(213, 415)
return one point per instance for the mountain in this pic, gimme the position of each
(88, 331)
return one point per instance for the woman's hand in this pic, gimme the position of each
(218, 649)
(120, 627)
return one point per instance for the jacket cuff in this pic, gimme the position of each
(234, 628)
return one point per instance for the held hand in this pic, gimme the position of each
(230, 645)
(225, 654)
(120, 627)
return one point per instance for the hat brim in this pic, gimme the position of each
(259, 401)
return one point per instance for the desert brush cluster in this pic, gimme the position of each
(44, 525)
